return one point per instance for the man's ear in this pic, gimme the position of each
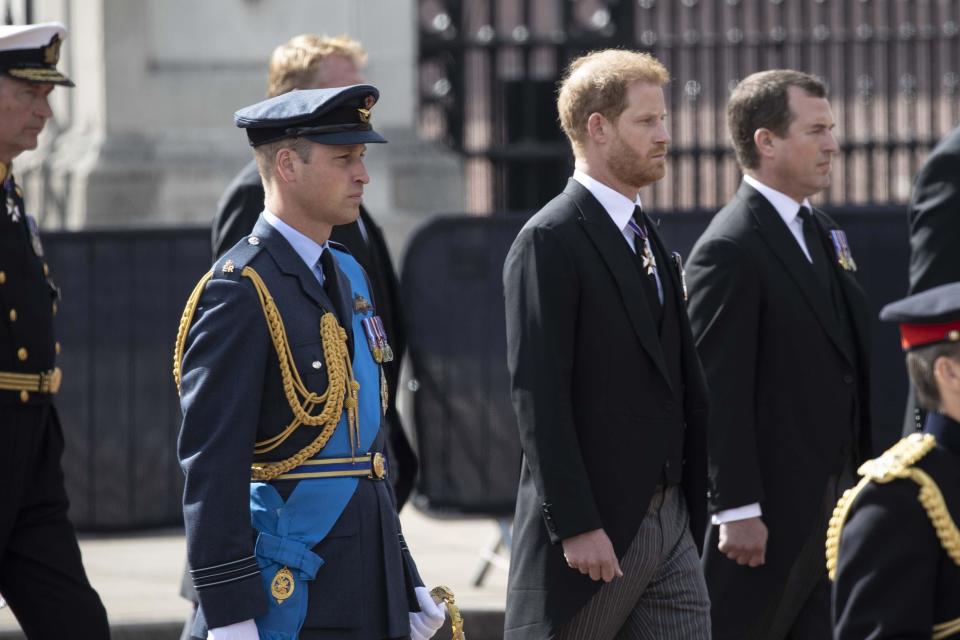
(946, 372)
(763, 138)
(285, 165)
(598, 127)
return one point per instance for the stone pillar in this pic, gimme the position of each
(147, 139)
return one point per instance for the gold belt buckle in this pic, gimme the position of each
(50, 381)
(378, 466)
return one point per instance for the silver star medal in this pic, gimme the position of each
(12, 209)
(649, 261)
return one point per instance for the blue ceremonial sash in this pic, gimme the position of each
(289, 531)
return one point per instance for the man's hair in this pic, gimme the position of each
(294, 64)
(597, 83)
(920, 363)
(264, 154)
(760, 101)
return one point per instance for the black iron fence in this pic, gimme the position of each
(124, 293)
(488, 73)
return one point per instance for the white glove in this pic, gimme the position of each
(426, 622)
(246, 630)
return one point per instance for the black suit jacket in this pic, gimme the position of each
(935, 218)
(593, 399)
(788, 391)
(237, 212)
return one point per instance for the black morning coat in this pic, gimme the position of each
(600, 398)
(788, 373)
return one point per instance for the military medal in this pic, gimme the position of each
(678, 263)
(361, 304)
(382, 336)
(13, 209)
(35, 236)
(282, 585)
(649, 260)
(842, 248)
(370, 332)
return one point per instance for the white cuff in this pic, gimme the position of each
(738, 513)
(246, 630)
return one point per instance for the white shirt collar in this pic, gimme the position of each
(308, 249)
(787, 207)
(617, 206)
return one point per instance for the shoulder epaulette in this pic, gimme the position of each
(898, 462)
(231, 264)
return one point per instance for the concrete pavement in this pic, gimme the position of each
(138, 577)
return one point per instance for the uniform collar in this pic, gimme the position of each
(617, 206)
(787, 207)
(945, 429)
(307, 248)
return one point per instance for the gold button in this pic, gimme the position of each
(13, 315)
(46, 269)
(24, 396)
(953, 336)
(55, 308)
(22, 354)
(3, 277)
(56, 348)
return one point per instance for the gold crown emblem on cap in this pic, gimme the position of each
(364, 115)
(51, 53)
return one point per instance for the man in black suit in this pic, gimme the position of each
(935, 218)
(41, 571)
(780, 324)
(608, 391)
(316, 62)
(893, 547)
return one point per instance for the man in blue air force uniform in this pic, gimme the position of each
(291, 531)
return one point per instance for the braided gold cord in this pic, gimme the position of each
(185, 320)
(897, 463)
(932, 500)
(837, 520)
(342, 389)
(946, 629)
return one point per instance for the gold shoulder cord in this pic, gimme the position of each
(897, 463)
(946, 629)
(445, 595)
(342, 390)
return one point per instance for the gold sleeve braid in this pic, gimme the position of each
(897, 463)
(946, 629)
(342, 389)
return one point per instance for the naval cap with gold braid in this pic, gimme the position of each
(30, 52)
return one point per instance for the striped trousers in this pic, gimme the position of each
(662, 594)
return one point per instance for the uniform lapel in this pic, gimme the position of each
(291, 264)
(615, 253)
(785, 248)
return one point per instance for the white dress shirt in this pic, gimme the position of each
(620, 210)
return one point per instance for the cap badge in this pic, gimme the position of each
(51, 53)
(364, 115)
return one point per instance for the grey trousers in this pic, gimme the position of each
(662, 594)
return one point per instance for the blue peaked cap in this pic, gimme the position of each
(337, 115)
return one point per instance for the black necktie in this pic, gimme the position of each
(643, 250)
(331, 283)
(814, 240)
